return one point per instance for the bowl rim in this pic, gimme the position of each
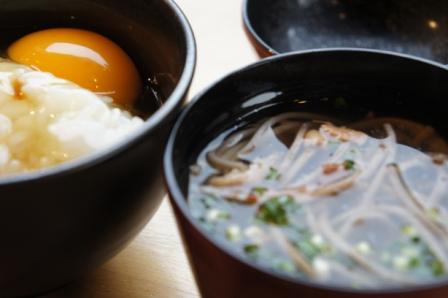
(255, 36)
(180, 201)
(163, 114)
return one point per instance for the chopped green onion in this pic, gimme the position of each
(414, 262)
(332, 144)
(416, 239)
(308, 248)
(436, 267)
(273, 174)
(216, 214)
(285, 266)
(433, 213)
(401, 262)
(411, 251)
(408, 230)
(259, 191)
(233, 233)
(321, 266)
(317, 240)
(349, 164)
(320, 243)
(254, 233)
(364, 248)
(251, 249)
(275, 210)
(209, 201)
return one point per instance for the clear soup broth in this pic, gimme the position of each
(360, 204)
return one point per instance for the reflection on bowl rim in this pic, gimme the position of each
(181, 202)
(149, 125)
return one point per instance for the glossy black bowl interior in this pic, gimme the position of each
(371, 82)
(406, 26)
(57, 224)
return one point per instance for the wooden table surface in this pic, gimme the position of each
(154, 264)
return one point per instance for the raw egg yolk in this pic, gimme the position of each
(88, 59)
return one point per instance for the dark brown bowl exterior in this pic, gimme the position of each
(387, 83)
(58, 224)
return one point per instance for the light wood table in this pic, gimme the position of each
(154, 264)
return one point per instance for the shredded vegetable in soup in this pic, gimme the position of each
(346, 206)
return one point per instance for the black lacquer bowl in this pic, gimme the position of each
(57, 224)
(370, 82)
(406, 26)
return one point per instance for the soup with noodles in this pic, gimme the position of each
(363, 205)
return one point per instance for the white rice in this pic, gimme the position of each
(45, 120)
